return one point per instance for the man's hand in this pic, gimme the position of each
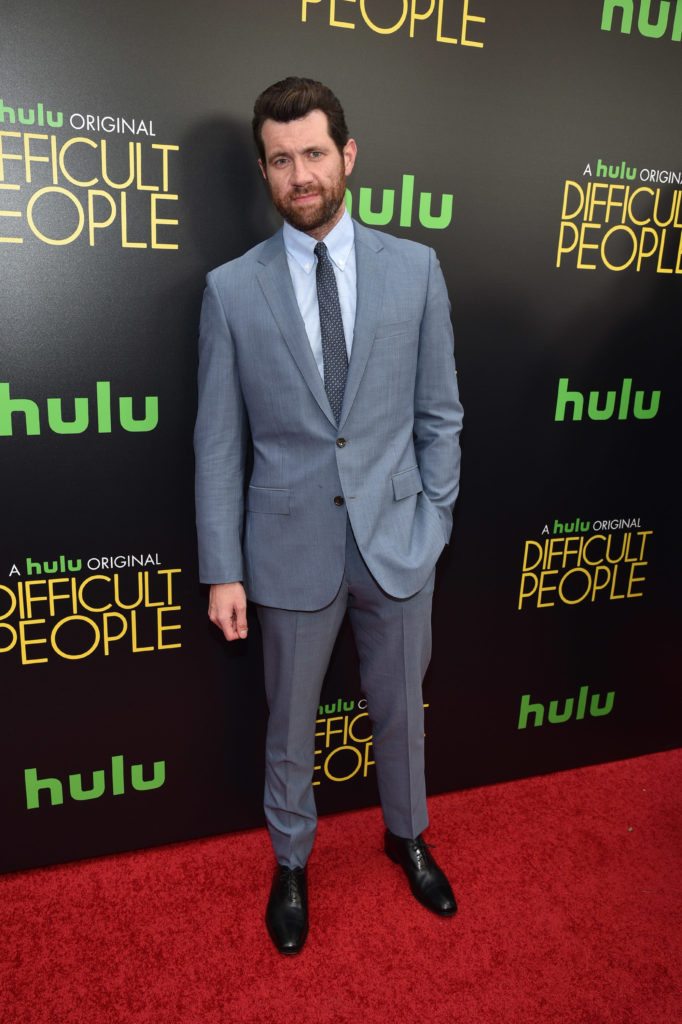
(227, 609)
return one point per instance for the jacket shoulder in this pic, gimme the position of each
(404, 247)
(247, 262)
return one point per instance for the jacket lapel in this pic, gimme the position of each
(275, 280)
(371, 277)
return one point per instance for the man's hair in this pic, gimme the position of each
(293, 98)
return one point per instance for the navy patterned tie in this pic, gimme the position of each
(334, 355)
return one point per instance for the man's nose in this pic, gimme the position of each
(300, 172)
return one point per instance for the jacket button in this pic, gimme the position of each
(341, 442)
(338, 501)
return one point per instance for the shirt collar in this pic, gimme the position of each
(339, 242)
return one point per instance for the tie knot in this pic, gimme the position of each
(320, 250)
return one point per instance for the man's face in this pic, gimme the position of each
(305, 172)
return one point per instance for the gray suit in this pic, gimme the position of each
(325, 502)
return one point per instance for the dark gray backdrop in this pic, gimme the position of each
(500, 128)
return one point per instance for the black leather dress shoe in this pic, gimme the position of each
(427, 882)
(287, 913)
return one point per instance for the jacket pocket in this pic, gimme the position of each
(396, 328)
(273, 500)
(407, 482)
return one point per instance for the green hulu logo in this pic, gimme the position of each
(54, 788)
(599, 408)
(557, 715)
(577, 526)
(645, 26)
(616, 172)
(60, 565)
(338, 708)
(80, 420)
(30, 116)
(368, 212)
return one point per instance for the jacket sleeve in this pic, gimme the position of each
(437, 409)
(220, 437)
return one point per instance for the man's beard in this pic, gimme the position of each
(310, 218)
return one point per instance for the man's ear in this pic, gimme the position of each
(350, 152)
(262, 169)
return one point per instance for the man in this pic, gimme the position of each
(336, 358)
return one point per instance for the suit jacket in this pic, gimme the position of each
(392, 462)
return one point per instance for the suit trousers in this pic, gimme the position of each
(393, 640)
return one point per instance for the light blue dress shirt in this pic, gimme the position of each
(302, 262)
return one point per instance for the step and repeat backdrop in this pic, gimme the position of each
(537, 149)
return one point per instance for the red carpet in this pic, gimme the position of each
(569, 889)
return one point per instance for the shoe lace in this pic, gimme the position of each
(292, 886)
(290, 880)
(421, 849)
